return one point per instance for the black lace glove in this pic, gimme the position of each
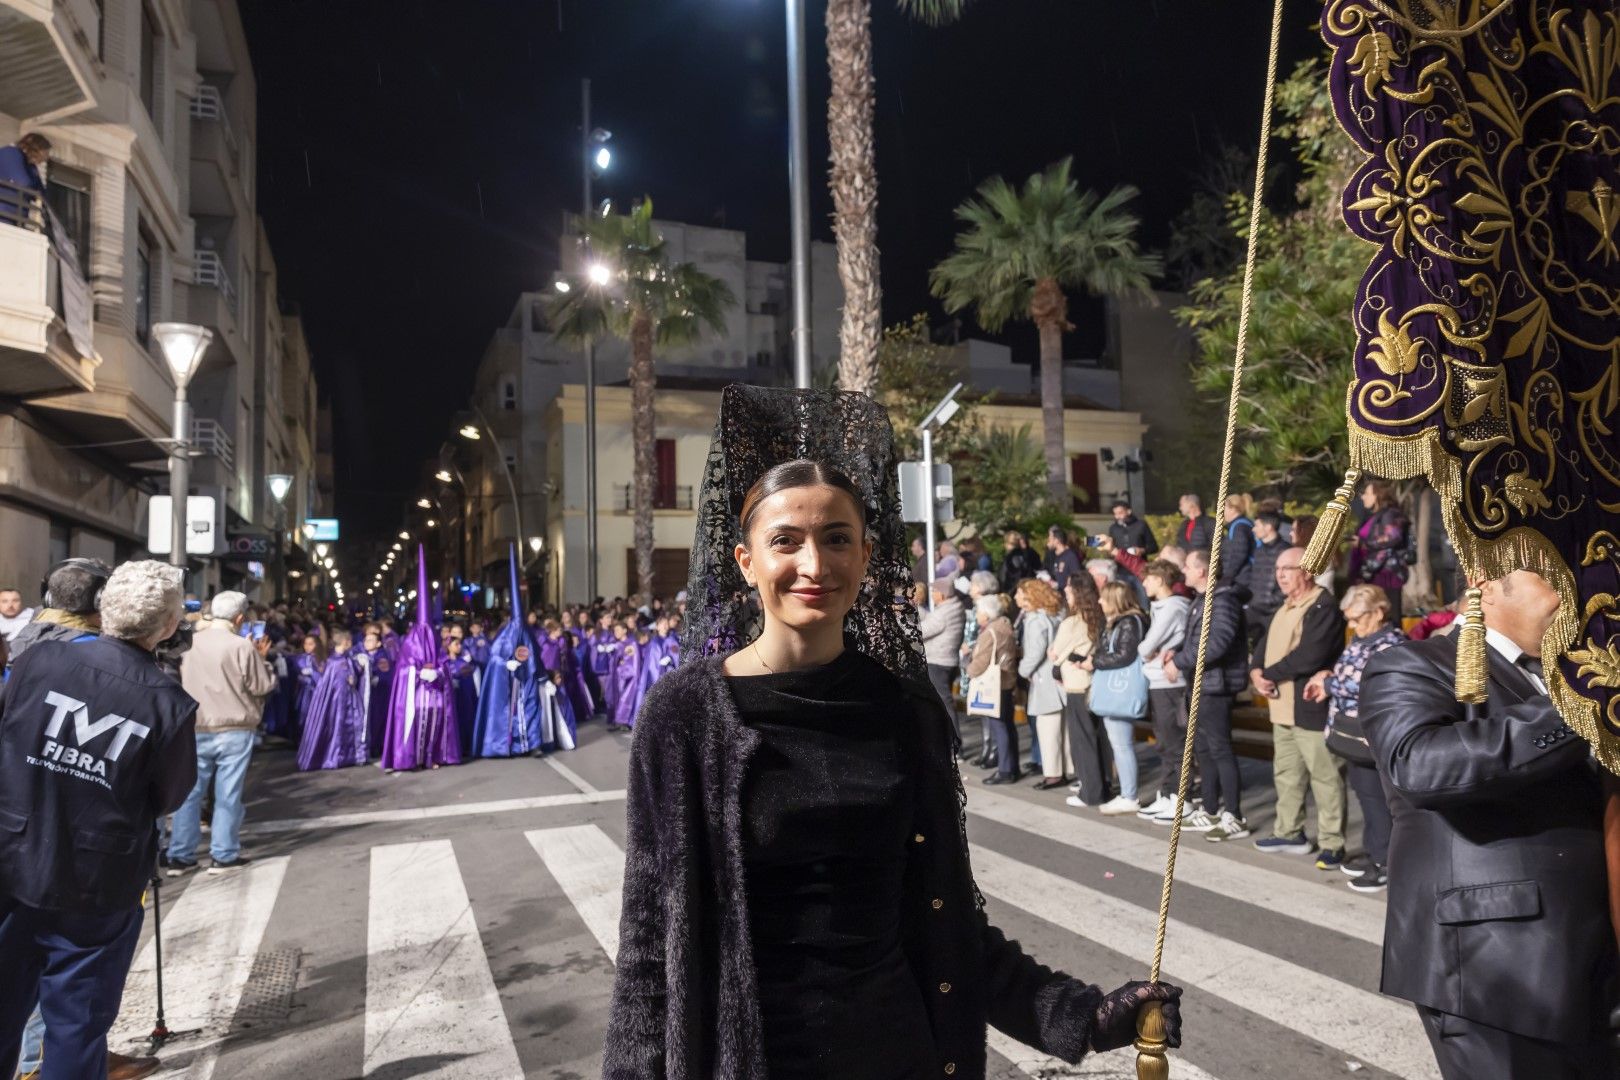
(1113, 1025)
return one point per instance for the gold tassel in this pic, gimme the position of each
(1472, 668)
(1324, 543)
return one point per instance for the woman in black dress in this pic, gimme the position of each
(798, 901)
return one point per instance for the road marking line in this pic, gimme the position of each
(590, 868)
(1335, 908)
(211, 935)
(423, 813)
(1114, 1065)
(585, 786)
(430, 998)
(1360, 1023)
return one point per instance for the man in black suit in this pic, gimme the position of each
(1498, 926)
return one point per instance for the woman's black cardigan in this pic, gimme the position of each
(684, 1002)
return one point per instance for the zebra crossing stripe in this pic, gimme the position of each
(425, 813)
(1114, 1065)
(432, 1009)
(590, 868)
(1337, 908)
(1376, 1030)
(211, 935)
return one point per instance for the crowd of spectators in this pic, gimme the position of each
(1096, 643)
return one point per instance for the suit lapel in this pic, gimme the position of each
(1508, 679)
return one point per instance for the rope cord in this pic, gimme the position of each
(1195, 692)
(1414, 30)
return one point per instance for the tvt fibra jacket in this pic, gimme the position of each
(96, 743)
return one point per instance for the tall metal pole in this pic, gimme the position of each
(590, 365)
(799, 185)
(933, 509)
(179, 478)
(511, 485)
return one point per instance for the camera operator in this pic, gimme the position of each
(95, 744)
(69, 612)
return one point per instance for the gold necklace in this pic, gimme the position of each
(761, 659)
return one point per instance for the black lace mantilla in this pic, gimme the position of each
(760, 427)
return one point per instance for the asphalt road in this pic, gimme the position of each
(463, 924)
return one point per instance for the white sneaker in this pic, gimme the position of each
(1227, 828)
(1159, 805)
(1075, 801)
(1198, 821)
(1119, 804)
(1168, 815)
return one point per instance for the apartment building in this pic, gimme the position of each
(149, 215)
(524, 369)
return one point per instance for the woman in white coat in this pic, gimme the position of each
(1038, 627)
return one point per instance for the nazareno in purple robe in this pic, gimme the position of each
(380, 671)
(608, 648)
(464, 684)
(335, 727)
(308, 677)
(628, 691)
(557, 656)
(421, 729)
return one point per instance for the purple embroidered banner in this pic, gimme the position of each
(1488, 354)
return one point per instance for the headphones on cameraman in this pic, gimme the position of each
(98, 570)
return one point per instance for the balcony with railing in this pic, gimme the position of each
(209, 439)
(45, 56)
(47, 341)
(665, 497)
(216, 155)
(213, 299)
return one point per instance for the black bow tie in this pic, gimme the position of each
(1532, 664)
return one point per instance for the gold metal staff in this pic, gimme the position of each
(1151, 1062)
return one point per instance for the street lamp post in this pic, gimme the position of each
(183, 346)
(471, 433)
(937, 418)
(595, 155)
(280, 484)
(799, 190)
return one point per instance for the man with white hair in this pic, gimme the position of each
(230, 678)
(96, 745)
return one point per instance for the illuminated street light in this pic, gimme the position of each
(604, 158)
(599, 274)
(442, 476)
(469, 432)
(423, 503)
(398, 547)
(563, 286)
(321, 550)
(403, 535)
(432, 524)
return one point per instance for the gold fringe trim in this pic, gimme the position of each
(1473, 669)
(1324, 545)
(1422, 455)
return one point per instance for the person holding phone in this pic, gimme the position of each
(229, 677)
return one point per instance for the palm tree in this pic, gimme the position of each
(1021, 250)
(646, 300)
(853, 179)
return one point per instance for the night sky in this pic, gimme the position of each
(415, 165)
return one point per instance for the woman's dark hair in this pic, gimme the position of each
(1383, 492)
(1082, 599)
(796, 474)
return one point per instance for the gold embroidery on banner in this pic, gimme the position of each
(1498, 199)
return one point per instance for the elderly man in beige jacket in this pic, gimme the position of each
(230, 678)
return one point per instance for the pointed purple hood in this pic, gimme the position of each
(421, 644)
